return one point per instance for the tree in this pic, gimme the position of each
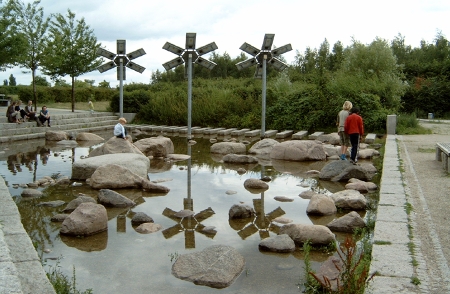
(5, 82)
(106, 84)
(12, 80)
(11, 41)
(41, 81)
(30, 23)
(71, 49)
(61, 83)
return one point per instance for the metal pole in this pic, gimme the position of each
(121, 87)
(263, 110)
(189, 96)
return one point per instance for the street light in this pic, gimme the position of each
(189, 55)
(261, 58)
(120, 60)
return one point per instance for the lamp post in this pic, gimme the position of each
(120, 60)
(261, 58)
(189, 55)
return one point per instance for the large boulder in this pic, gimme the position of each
(155, 146)
(113, 176)
(349, 199)
(316, 234)
(136, 163)
(88, 137)
(239, 211)
(361, 186)
(216, 266)
(115, 145)
(87, 219)
(332, 138)
(330, 272)
(321, 205)
(347, 223)
(72, 205)
(344, 170)
(239, 158)
(56, 136)
(113, 199)
(279, 243)
(264, 146)
(228, 148)
(298, 150)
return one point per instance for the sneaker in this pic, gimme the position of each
(49, 125)
(352, 162)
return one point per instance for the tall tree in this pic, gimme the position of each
(11, 41)
(71, 49)
(29, 22)
(12, 80)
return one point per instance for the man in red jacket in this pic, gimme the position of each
(355, 129)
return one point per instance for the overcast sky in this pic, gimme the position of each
(148, 24)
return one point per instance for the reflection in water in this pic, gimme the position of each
(95, 242)
(191, 223)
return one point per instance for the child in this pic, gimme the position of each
(355, 129)
(91, 106)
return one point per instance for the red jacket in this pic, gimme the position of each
(354, 124)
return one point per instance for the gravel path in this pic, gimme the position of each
(427, 187)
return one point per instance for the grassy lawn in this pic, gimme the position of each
(100, 106)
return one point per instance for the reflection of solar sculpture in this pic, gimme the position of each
(188, 221)
(261, 58)
(189, 55)
(119, 60)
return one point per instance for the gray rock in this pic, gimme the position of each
(55, 203)
(308, 194)
(113, 176)
(361, 186)
(114, 146)
(349, 199)
(140, 218)
(31, 193)
(56, 135)
(279, 243)
(298, 150)
(228, 148)
(59, 218)
(264, 146)
(77, 201)
(216, 266)
(283, 199)
(331, 270)
(316, 234)
(238, 211)
(255, 184)
(347, 223)
(332, 138)
(321, 205)
(88, 137)
(147, 228)
(239, 158)
(155, 146)
(136, 163)
(343, 170)
(87, 219)
(111, 198)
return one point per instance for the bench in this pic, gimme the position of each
(442, 153)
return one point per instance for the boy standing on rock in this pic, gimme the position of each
(354, 127)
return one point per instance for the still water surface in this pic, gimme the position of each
(124, 261)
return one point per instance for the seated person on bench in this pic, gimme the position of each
(29, 111)
(22, 112)
(12, 114)
(44, 116)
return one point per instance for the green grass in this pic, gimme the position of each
(407, 124)
(382, 242)
(62, 283)
(426, 150)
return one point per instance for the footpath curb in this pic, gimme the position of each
(21, 270)
(391, 258)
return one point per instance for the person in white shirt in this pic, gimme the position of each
(119, 129)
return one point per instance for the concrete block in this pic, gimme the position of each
(391, 124)
(370, 138)
(299, 135)
(315, 135)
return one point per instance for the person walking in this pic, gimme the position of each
(44, 116)
(119, 129)
(343, 137)
(91, 106)
(354, 127)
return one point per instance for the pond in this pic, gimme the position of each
(122, 260)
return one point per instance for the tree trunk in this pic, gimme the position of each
(33, 74)
(73, 94)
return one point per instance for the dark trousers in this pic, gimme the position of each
(43, 119)
(354, 140)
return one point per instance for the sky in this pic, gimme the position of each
(149, 24)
